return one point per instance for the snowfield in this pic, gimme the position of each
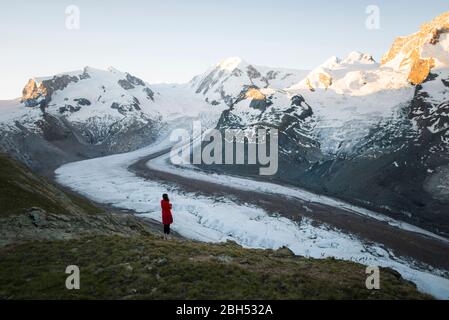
(107, 180)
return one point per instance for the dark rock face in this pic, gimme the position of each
(131, 82)
(32, 103)
(149, 92)
(260, 104)
(136, 104)
(83, 102)
(134, 80)
(69, 109)
(432, 119)
(252, 72)
(56, 83)
(236, 72)
(125, 84)
(84, 75)
(80, 102)
(271, 75)
(124, 109)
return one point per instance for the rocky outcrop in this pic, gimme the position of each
(32, 208)
(257, 108)
(33, 93)
(252, 72)
(39, 92)
(36, 224)
(125, 84)
(420, 52)
(149, 93)
(134, 80)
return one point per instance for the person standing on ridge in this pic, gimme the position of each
(167, 218)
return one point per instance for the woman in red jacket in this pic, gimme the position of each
(167, 218)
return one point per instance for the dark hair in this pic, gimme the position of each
(165, 197)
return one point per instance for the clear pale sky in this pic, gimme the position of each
(173, 40)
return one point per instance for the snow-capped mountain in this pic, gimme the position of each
(79, 114)
(348, 96)
(91, 92)
(223, 83)
(334, 69)
(345, 98)
(89, 113)
(364, 131)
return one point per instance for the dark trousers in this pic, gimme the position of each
(166, 228)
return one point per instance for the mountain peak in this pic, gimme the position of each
(230, 63)
(419, 53)
(358, 57)
(331, 63)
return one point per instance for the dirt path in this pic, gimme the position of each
(403, 243)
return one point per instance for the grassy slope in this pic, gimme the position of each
(150, 268)
(21, 189)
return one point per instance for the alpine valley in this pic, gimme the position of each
(355, 135)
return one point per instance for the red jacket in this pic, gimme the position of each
(167, 218)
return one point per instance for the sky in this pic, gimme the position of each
(174, 40)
